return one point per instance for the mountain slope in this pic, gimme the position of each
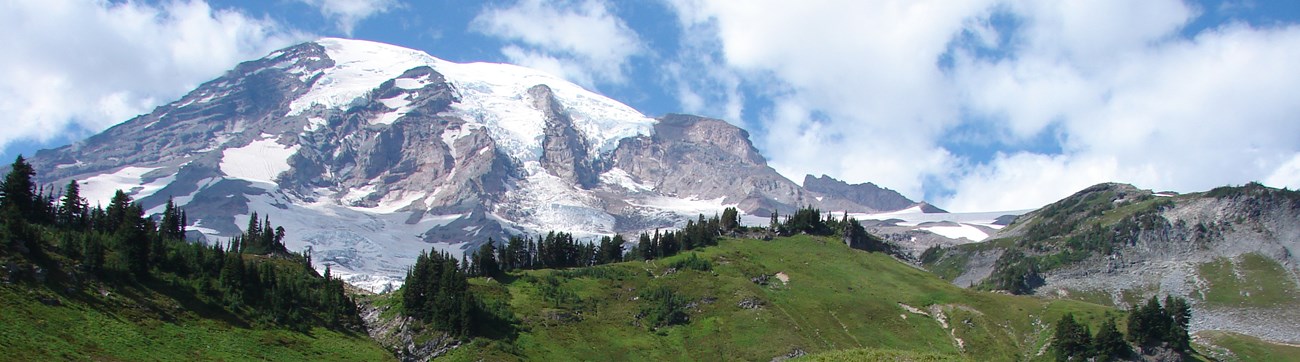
(1229, 251)
(369, 153)
(747, 299)
(812, 295)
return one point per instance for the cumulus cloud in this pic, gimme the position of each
(886, 92)
(81, 65)
(581, 41)
(347, 13)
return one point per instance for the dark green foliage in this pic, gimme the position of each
(692, 262)
(18, 197)
(72, 209)
(858, 238)
(120, 247)
(807, 220)
(610, 250)
(260, 238)
(1016, 273)
(485, 261)
(1109, 344)
(437, 292)
(730, 219)
(665, 307)
(1180, 316)
(1153, 324)
(645, 248)
(931, 255)
(1258, 193)
(1148, 324)
(552, 290)
(1071, 341)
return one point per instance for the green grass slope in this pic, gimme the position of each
(138, 323)
(836, 299)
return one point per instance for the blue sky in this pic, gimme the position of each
(972, 105)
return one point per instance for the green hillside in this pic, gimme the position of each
(836, 298)
(110, 284)
(140, 324)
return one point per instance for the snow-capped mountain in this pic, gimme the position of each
(369, 153)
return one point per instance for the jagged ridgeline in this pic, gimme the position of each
(84, 282)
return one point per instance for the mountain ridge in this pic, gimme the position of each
(374, 152)
(1227, 250)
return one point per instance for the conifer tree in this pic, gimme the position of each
(18, 193)
(1109, 344)
(1072, 340)
(72, 210)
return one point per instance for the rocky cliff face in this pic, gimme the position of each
(369, 153)
(1229, 251)
(862, 196)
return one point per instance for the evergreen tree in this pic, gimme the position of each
(730, 219)
(1071, 340)
(72, 211)
(1180, 316)
(1109, 344)
(485, 260)
(646, 246)
(18, 197)
(1148, 325)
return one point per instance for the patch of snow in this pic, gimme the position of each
(359, 67)
(408, 83)
(957, 232)
(450, 135)
(99, 189)
(396, 102)
(261, 160)
(617, 177)
(315, 124)
(68, 165)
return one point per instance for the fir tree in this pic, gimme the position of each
(72, 210)
(1071, 340)
(18, 195)
(1109, 344)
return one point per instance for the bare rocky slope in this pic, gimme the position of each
(1230, 251)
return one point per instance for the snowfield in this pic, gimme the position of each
(260, 161)
(492, 95)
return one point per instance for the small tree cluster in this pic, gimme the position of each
(1073, 342)
(437, 292)
(1148, 325)
(1153, 324)
(260, 238)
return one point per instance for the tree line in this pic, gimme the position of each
(252, 276)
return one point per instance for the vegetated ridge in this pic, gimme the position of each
(1229, 251)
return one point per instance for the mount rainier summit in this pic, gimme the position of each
(369, 153)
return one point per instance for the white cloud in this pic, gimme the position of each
(862, 94)
(581, 41)
(1287, 175)
(857, 95)
(88, 65)
(347, 13)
